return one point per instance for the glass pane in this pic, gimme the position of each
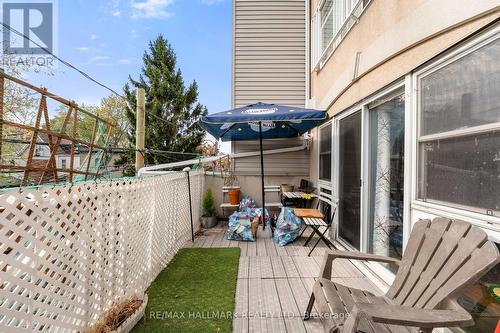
(387, 178)
(327, 23)
(349, 179)
(325, 153)
(464, 171)
(464, 93)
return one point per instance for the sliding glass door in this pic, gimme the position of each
(349, 210)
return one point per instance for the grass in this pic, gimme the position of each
(194, 293)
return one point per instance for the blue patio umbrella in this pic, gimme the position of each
(262, 121)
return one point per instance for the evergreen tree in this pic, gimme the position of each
(173, 113)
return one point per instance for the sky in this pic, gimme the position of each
(107, 39)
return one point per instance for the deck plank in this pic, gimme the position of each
(261, 248)
(260, 267)
(313, 325)
(278, 268)
(209, 241)
(287, 300)
(240, 325)
(266, 325)
(218, 240)
(199, 241)
(307, 266)
(270, 247)
(274, 282)
(243, 246)
(226, 242)
(252, 249)
(263, 298)
(243, 267)
(280, 250)
(290, 268)
(266, 268)
(301, 295)
(295, 325)
(241, 306)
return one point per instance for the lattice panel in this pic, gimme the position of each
(67, 253)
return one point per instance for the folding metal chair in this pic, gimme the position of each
(317, 223)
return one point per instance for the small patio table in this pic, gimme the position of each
(315, 219)
(301, 198)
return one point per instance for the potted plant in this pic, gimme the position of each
(233, 193)
(209, 214)
(230, 180)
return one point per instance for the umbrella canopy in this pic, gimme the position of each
(278, 121)
(262, 121)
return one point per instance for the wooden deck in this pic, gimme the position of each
(274, 283)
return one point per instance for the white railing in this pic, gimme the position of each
(68, 252)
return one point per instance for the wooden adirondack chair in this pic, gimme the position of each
(441, 258)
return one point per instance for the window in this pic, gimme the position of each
(325, 153)
(38, 151)
(327, 24)
(331, 23)
(459, 156)
(63, 164)
(349, 173)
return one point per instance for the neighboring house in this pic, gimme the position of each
(63, 153)
(63, 157)
(412, 88)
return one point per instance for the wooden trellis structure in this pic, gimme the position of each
(36, 173)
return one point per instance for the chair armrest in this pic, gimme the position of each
(406, 316)
(326, 269)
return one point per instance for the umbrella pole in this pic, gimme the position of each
(262, 177)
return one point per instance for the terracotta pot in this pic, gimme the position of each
(234, 196)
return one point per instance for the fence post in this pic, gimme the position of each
(140, 129)
(187, 170)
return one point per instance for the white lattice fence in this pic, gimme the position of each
(68, 252)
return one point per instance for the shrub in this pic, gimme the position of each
(208, 204)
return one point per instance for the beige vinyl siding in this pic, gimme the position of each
(284, 164)
(269, 65)
(269, 52)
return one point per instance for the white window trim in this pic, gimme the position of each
(320, 57)
(322, 183)
(363, 107)
(490, 223)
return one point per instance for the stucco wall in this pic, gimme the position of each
(392, 38)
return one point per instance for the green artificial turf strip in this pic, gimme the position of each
(194, 293)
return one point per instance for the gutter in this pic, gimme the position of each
(163, 168)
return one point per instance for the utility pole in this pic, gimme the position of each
(139, 129)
